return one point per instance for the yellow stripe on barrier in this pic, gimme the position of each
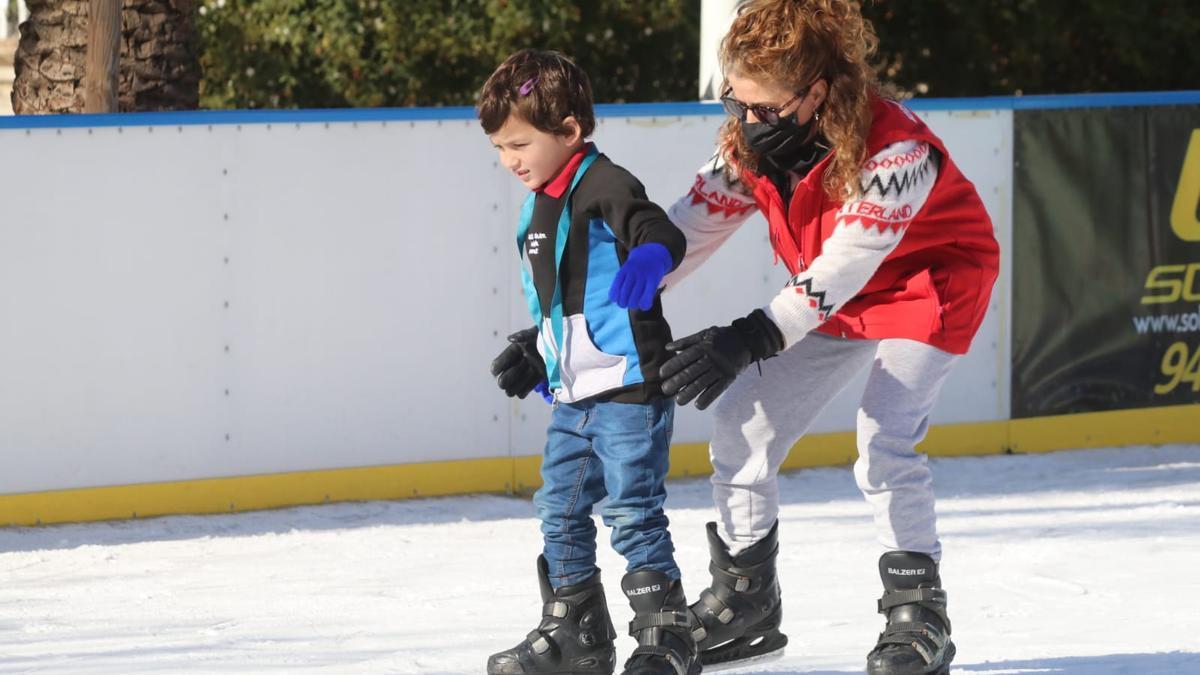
(1144, 426)
(249, 493)
(1176, 424)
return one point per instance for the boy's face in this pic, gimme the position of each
(534, 156)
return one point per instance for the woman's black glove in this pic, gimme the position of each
(519, 368)
(706, 363)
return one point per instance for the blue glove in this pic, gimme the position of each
(638, 279)
(543, 388)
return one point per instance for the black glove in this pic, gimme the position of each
(519, 368)
(707, 362)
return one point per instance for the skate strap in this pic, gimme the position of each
(922, 637)
(716, 606)
(894, 632)
(541, 638)
(739, 583)
(556, 609)
(662, 652)
(892, 599)
(659, 620)
(539, 642)
(932, 599)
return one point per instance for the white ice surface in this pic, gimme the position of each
(1083, 562)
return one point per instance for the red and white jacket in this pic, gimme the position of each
(914, 256)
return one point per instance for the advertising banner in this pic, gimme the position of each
(1106, 259)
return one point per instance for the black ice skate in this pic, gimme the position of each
(916, 639)
(739, 614)
(661, 625)
(575, 636)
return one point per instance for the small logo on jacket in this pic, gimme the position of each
(533, 242)
(654, 588)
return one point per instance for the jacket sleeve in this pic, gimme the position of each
(621, 200)
(711, 211)
(895, 185)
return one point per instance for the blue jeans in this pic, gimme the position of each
(597, 449)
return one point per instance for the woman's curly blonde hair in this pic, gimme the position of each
(792, 44)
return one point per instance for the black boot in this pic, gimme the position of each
(575, 636)
(916, 639)
(739, 614)
(661, 625)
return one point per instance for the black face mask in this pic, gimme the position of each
(785, 146)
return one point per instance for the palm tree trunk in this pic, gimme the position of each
(159, 66)
(49, 61)
(103, 54)
(8, 47)
(160, 61)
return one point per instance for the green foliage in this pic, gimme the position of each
(999, 47)
(366, 53)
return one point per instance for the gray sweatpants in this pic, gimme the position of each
(759, 419)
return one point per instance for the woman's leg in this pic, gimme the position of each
(758, 420)
(901, 391)
(905, 380)
(756, 423)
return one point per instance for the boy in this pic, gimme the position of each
(595, 252)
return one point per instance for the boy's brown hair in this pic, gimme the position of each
(541, 87)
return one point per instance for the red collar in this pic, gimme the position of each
(558, 185)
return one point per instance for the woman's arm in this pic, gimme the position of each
(896, 182)
(708, 215)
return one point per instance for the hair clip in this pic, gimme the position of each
(528, 86)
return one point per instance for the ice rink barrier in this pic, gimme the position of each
(219, 311)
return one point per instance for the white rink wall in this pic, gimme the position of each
(209, 295)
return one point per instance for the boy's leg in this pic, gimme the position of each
(633, 443)
(758, 420)
(905, 380)
(572, 482)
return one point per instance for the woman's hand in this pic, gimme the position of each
(704, 366)
(706, 363)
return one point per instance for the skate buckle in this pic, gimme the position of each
(541, 645)
(741, 584)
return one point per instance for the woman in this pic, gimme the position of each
(893, 258)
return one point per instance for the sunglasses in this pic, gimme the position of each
(764, 113)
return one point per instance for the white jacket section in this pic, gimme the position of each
(584, 370)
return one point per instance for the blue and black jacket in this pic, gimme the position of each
(574, 234)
